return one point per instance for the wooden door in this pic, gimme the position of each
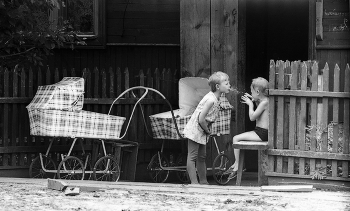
(210, 41)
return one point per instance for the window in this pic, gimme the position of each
(87, 17)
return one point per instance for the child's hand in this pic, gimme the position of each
(248, 95)
(246, 99)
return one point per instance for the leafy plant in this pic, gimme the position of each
(319, 173)
(25, 33)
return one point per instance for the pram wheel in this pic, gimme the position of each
(182, 175)
(155, 171)
(71, 168)
(37, 171)
(106, 169)
(221, 164)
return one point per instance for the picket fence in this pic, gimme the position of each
(309, 122)
(18, 86)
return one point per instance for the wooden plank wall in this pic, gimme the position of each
(139, 21)
(133, 57)
(102, 86)
(335, 24)
(309, 122)
(209, 43)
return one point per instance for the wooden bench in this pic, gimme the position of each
(262, 159)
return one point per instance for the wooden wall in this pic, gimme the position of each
(140, 35)
(334, 46)
(140, 21)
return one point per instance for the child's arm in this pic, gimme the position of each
(203, 114)
(253, 115)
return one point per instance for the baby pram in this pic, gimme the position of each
(56, 111)
(191, 91)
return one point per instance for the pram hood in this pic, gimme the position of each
(67, 94)
(191, 92)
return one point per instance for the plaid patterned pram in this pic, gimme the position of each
(83, 124)
(191, 91)
(56, 111)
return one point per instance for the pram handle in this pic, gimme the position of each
(139, 100)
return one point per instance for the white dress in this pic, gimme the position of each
(192, 129)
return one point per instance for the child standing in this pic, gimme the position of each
(259, 95)
(197, 129)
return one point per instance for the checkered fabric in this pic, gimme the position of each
(83, 124)
(68, 95)
(164, 128)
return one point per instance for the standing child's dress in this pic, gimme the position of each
(193, 130)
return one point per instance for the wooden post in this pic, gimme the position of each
(313, 146)
(263, 165)
(272, 121)
(302, 120)
(335, 119)
(346, 137)
(324, 125)
(280, 114)
(292, 113)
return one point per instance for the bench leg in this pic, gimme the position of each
(263, 166)
(240, 167)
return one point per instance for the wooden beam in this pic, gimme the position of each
(319, 19)
(100, 101)
(251, 145)
(275, 174)
(288, 188)
(308, 154)
(299, 93)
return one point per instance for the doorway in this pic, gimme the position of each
(275, 30)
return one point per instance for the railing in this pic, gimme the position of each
(309, 121)
(18, 87)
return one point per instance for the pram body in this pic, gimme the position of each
(56, 111)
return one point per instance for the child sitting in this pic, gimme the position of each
(259, 95)
(197, 129)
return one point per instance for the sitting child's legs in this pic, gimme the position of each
(191, 160)
(247, 136)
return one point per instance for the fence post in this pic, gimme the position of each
(313, 141)
(346, 135)
(272, 121)
(324, 126)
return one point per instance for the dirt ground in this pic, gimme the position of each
(28, 194)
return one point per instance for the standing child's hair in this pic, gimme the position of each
(262, 85)
(217, 78)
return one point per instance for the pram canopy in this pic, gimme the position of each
(67, 94)
(191, 91)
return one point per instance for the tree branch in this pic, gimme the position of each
(16, 54)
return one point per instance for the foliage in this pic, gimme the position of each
(319, 173)
(80, 14)
(25, 33)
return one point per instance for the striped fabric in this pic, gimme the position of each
(82, 124)
(68, 95)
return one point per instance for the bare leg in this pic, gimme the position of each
(247, 136)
